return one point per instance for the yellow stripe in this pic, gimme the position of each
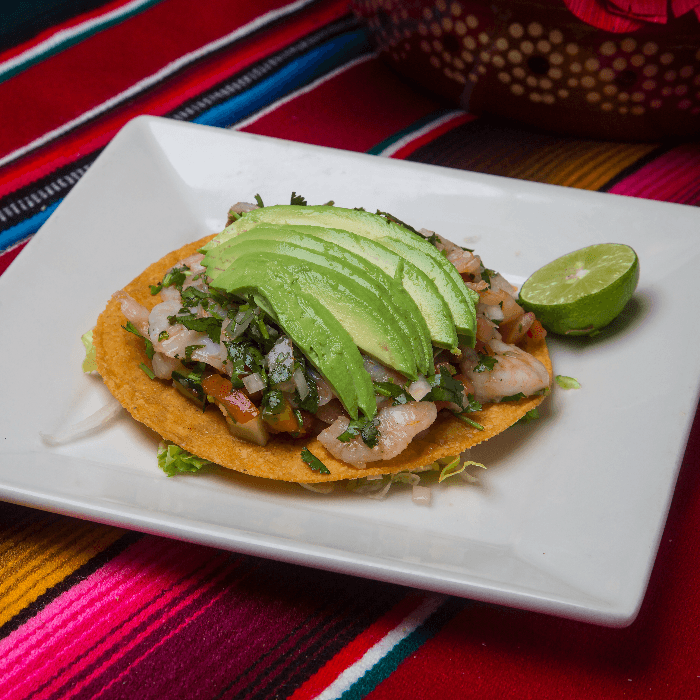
(582, 164)
(40, 554)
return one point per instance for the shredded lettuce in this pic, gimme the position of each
(532, 414)
(567, 382)
(174, 460)
(90, 362)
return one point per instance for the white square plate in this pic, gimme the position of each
(568, 516)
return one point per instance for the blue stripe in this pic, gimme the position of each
(26, 228)
(303, 70)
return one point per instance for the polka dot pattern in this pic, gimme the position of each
(538, 63)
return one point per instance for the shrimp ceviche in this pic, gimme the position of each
(315, 343)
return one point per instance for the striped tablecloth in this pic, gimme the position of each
(89, 610)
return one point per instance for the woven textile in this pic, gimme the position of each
(89, 610)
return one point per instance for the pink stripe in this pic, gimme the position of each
(158, 624)
(52, 619)
(139, 582)
(198, 591)
(672, 177)
(145, 603)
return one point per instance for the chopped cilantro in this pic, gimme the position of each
(394, 220)
(487, 274)
(209, 325)
(272, 402)
(298, 200)
(147, 370)
(193, 297)
(444, 387)
(315, 464)
(163, 335)
(485, 363)
(513, 397)
(245, 358)
(189, 350)
(191, 383)
(310, 402)
(472, 404)
(150, 351)
(175, 277)
(434, 239)
(532, 414)
(258, 199)
(389, 389)
(299, 417)
(367, 428)
(466, 419)
(262, 328)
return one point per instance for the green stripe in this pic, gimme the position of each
(386, 666)
(73, 40)
(424, 121)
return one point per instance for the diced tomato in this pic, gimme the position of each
(236, 402)
(537, 331)
(284, 421)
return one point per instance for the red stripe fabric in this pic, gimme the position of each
(492, 653)
(47, 34)
(328, 116)
(107, 64)
(163, 98)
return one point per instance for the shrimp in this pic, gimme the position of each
(465, 261)
(515, 371)
(134, 312)
(173, 340)
(398, 425)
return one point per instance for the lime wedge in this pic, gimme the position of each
(583, 291)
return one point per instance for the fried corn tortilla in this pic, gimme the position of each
(165, 410)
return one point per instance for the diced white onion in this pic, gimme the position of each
(493, 313)
(380, 495)
(421, 495)
(300, 383)
(254, 383)
(92, 424)
(319, 488)
(241, 322)
(419, 388)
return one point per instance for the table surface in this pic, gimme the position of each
(88, 609)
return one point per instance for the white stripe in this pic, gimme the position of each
(376, 653)
(155, 78)
(66, 34)
(301, 91)
(405, 140)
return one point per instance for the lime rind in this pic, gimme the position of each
(583, 291)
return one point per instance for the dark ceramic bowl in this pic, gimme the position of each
(536, 63)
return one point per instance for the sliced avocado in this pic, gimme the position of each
(360, 304)
(410, 245)
(423, 293)
(312, 328)
(400, 304)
